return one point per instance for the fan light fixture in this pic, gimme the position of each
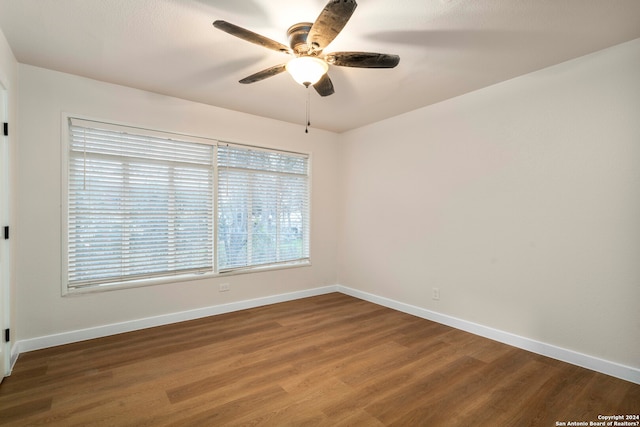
(307, 70)
(307, 41)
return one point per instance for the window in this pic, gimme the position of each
(139, 207)
(262, 207)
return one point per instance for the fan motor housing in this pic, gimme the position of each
(298, 38)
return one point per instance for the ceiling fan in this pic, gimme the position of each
(306, 44)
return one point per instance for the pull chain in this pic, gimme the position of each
(308, 117)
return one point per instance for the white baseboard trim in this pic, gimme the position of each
(38, 343)
(593, 363)
(613, 369)
(14, 357)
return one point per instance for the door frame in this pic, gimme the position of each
(5, 246)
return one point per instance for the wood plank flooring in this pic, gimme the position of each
(330, 360)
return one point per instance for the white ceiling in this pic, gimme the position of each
(447, 48)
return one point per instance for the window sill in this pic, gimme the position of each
(178, 278)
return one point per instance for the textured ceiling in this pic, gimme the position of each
(447, 48)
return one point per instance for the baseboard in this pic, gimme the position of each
(593, 363)
(38, 343)
(14, 357)
(613, 369)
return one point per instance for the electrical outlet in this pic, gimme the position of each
(224, 287)
(436, 294)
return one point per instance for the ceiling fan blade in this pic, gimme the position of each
(329, 23)
(261, 75)
(362, 59)
(250, 36)
(324, 86)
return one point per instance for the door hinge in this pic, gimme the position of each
(6, 129)
(6, 232)
(7, 335)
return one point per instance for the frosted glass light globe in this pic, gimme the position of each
(307, 70)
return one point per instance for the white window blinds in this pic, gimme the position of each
(263, 207)
(143, 207)
(139, 205)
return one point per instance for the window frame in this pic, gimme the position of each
(169, 277)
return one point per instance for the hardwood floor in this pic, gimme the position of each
(329, 360)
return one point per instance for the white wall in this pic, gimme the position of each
(44, 95)
(520, 202)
